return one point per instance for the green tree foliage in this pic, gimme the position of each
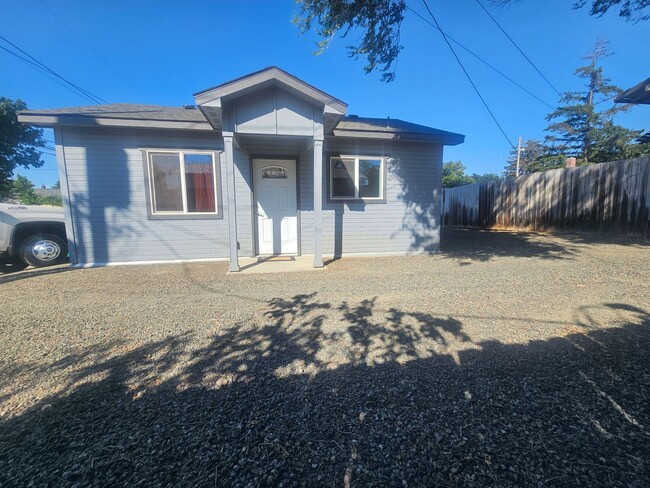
(628, 9)
(580, 128)
(486, 178)
(378, 20)
(631, 10)
(23, 190)
(535, 156)
(19, 143)
(453, 174)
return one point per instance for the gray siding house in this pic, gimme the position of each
(263, 165)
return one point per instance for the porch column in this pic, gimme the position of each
(318, 203)
(228, 138)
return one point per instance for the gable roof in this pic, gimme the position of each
(160, 116)
(207, 117)
(269, 76)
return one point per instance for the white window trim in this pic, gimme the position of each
(356, 179)
(181, 154)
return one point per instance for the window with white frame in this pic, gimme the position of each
(356, 177)
(182, 183)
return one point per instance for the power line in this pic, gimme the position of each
(481, 59)
(38, 68)
(519, 49)
(96, 98)
(467, 75)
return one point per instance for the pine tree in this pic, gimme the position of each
(580, 128)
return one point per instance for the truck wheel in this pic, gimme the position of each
(43, 250)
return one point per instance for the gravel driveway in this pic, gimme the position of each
(506, 360)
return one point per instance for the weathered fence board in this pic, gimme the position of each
(610, 198)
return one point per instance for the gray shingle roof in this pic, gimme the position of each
(163, 114)
(395, 126)
(128, 111)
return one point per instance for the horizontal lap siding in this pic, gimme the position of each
(109, 208)
(408, 222)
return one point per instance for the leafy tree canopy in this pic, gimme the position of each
(21, 190)
(19, 143)
(535, 156)
(630, 10)
(378, 23)
(453, 174)
(378, 20)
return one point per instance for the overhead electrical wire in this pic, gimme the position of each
(35, 66)
(519, 49)
(495, 69)
(42, 67)
(467, 75)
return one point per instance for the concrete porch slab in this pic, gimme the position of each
(277, 264)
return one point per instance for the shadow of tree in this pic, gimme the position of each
(484, 245)
(345, 394)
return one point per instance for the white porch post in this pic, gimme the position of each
(228, 138)
(318, 203)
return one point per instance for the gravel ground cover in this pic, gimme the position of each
(505, 360)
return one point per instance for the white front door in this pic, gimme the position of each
(276, 206)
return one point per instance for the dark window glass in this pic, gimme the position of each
(342, 177)
(166, 174)
(370, 178)
(274, 172)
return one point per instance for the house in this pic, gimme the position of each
(265, 164)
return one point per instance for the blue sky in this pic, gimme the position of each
(161, 52)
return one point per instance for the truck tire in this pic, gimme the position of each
(40, 250)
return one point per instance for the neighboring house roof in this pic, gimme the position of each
(637, 94)
(48, 192)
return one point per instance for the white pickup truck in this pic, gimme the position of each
(32, 234)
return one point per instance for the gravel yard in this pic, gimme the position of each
(505, 360)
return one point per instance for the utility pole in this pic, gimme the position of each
(518, 154)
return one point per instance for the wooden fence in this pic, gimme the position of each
(608, 197)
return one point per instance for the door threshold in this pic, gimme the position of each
(276, 258)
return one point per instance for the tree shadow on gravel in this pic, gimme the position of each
(322, 394)
(471, 245)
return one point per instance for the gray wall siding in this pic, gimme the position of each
(409, 220)
(273, 111)
(109, 208)
(107, 193)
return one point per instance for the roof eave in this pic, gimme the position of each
(448, 139)
(49, 120)
(638, 94)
